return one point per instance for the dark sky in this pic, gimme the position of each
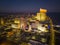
(29, 5)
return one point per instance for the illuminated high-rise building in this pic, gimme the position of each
(41, 16)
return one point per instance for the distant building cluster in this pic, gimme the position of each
(23, 28)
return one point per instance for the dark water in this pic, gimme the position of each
(55, 18)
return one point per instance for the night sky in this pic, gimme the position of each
(29, 5)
